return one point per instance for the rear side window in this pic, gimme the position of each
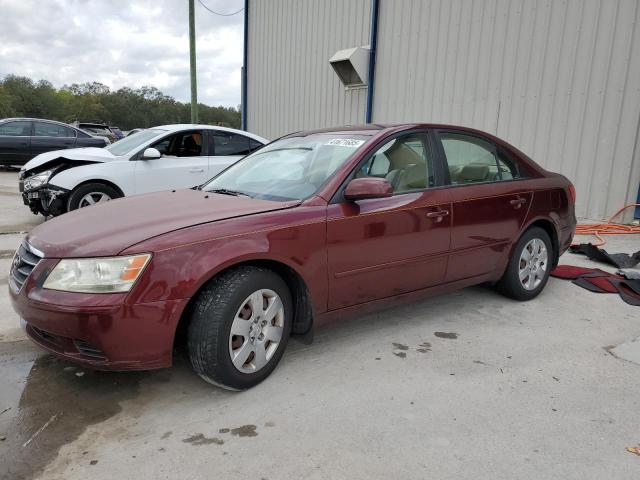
(471, 159)
(254, 145)
(43, 129)
(16, 129)
(226, 143)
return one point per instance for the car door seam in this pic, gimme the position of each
(382, 266)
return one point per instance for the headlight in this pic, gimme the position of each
(37, 180)
(97, 275)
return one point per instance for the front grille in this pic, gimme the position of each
(24, 262)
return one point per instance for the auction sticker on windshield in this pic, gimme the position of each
(345, 142)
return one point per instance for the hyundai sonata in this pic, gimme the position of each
(307, 229)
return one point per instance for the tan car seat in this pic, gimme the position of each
(473, 173)
(407, 168)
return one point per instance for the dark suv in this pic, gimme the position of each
(21, 139)
(98, 130)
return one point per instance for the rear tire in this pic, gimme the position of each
(233, 339)
(529, 266)
(91, 192)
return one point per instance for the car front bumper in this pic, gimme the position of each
(101, 331)
(47, 199)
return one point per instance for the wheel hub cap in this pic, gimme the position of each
(256, 331)
(533, 264)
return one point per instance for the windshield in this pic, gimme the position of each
(288, 169)
(132, 142)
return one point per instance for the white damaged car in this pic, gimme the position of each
(159, 158)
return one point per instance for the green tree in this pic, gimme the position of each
(95, 102)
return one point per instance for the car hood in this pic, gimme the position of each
(87, 154)
(109, 228)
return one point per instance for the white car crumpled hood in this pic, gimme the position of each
(87, 154)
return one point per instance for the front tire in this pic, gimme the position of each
(239, 328)
(90, 194)
(529, 266)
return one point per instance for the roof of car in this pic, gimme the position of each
(367, 129)
(28, 119)
(374, 128)
(186, 126)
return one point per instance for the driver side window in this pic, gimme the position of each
(183, 144)
(404, 162)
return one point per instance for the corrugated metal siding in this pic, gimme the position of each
(291, 85)
(559, 79)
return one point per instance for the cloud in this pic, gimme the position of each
(124, 43)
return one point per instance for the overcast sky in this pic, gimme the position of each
(124, 43)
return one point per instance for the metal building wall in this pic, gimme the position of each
(559, 79)
(291, 85)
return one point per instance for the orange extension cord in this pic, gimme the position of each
(609, 228)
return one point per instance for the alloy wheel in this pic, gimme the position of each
(93, 198)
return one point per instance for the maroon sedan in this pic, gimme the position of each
(309, 228)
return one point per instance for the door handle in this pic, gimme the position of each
(518, 202)
(196, 170)
(438, 214)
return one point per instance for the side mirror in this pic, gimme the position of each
(150, 154)
(369, 187)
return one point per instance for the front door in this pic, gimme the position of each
(383, 247)
(489, 203)
(184, 163)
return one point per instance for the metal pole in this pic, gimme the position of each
(245, 54)
(373, 46)
(192, 61)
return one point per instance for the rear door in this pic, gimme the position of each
(383, 247)
(489, 203)
(184, 163)
(226, 148)
(15, 142)
(51, 136)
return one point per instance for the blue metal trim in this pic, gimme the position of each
(245, 55)
(373, 44)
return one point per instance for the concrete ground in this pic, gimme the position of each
(463, 386)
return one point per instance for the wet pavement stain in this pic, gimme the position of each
(245, 431)
(54, 407)
(166, 435)
(200, 439)
(269, 424)
(450, 335)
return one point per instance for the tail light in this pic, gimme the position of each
(572, 193)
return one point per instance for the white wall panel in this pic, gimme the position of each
(559, 79)
(291, 85)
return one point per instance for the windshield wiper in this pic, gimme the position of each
(225, 191)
